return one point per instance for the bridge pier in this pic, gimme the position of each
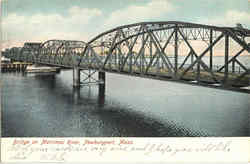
(101, 93)
(76, 77)
(102, 78)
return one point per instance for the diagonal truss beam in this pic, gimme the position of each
(247, 72)
(130, 47)
(231, 60)
(185, 60)
(160, 51)
(240, 64)
(239, 41)
(111, 48)
(83, 54)
(141, 50)
(198, 58)
(89, 75)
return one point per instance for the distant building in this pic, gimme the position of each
(33, 45)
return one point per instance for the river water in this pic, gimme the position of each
(47, 105)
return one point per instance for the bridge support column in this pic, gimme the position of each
(76, 95)
(101, 95)
(76, 77)
(102, 77)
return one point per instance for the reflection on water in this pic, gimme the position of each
(48, 105)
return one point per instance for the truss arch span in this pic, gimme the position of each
(152, 47)
(62, 52)
(190, 31)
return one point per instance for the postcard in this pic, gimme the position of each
(125, 81)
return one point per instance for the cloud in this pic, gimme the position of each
(137, 13)
(41, 27)
(77, 23)
(230, 18)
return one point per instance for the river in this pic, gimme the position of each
(48, 106)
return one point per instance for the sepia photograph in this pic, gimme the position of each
(124, 69)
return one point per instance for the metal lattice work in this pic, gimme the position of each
(89, 78)
(29, 52)
(168, 50)
(145, 49)
(61, 52)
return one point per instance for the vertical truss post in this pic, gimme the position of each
(211, 50)
(115, 58)
(158, 64)
(142, 58)
(233, 66)
(76, 77)
(143, 62)
(110, 60)
(192, 58)
(176, 52)
(142, 55)
(130, 61)
(119, 58)
(150, 48)
(140, 62)
(198, 72)
(226, 59)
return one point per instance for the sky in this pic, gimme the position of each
(41, 20)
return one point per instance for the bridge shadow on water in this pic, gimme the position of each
(86, 112)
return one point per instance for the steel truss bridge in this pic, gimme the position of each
(177, 51)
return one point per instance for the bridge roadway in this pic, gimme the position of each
(151, 49)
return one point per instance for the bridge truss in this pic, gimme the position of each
(167, 50)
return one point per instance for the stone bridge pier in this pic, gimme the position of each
(76, 77)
